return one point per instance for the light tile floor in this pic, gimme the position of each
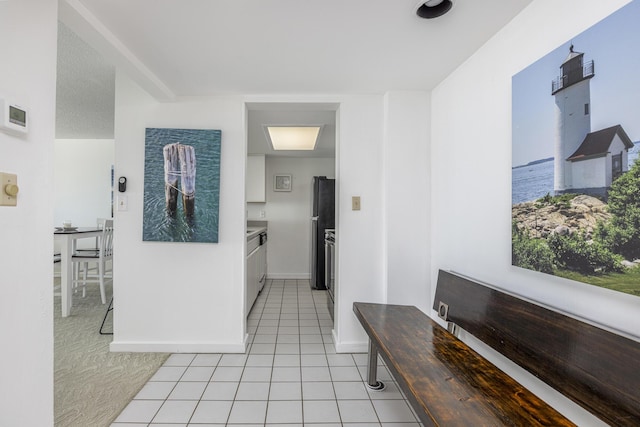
(291, 376)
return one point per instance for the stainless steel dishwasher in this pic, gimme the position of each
(329, 268)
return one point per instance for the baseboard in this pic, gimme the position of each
(349, 347)
(177, 347)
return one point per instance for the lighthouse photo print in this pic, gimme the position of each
(575, 140)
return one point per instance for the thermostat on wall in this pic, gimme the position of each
(13, 117)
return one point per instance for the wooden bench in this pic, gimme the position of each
(449, 384)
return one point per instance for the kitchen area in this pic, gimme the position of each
(280, 195)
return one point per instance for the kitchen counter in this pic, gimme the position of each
(254, 231)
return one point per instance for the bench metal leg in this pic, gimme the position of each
(372, 369)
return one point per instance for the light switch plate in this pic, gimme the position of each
(7, 179)
(123, 202)
(355, 203)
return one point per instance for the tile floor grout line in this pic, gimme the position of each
(290, 299)
(300, 350)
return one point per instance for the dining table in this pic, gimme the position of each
(67, 237)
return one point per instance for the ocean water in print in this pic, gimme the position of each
(159, 224)
(530, 182)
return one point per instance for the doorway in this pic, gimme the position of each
(287, 214)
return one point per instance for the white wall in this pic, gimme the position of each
(82, 180)
(289, 214)
(407, 198)
(27, 73)
(471, 174)
(189, 297)
(382, 151)
(180, 297)
(359, 243)
(383, 157)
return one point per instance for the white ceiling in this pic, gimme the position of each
(212, 47)
(85, 90)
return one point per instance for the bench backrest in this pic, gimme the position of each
(595, 368)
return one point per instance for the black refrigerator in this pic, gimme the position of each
(323, 215)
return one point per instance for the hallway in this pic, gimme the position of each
(290, 376)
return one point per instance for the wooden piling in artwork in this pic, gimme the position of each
(187, 156)
(171, 173)
(180, 161)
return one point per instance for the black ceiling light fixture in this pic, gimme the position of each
(433, 8)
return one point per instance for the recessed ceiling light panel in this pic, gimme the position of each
(433, 8)
(293, 138)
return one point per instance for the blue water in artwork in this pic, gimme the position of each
(530, 182)
(158, 223)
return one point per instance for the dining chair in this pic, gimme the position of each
(92, 248)
(96, 245)
(84, 274)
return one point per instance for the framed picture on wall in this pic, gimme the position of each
(282, 183)
(181, 205)
(575, 175)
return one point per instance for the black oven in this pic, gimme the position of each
(329, 267)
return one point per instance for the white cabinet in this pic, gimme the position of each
(256, 179)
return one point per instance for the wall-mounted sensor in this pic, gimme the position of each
(13, 118)
(122, 184)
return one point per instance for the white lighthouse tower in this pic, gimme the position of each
(573, 115)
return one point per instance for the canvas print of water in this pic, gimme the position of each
(181, 185)
(576, 139)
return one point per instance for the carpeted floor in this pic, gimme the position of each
(92, 386)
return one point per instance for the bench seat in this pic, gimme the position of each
(447, 383)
